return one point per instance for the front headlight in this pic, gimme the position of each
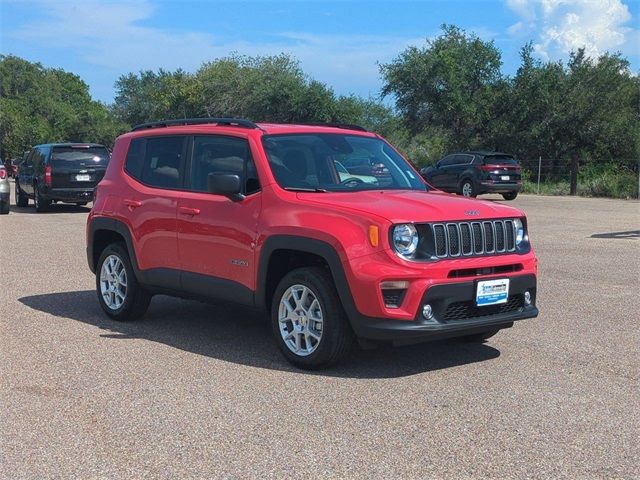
(405, 239)
(521, 235)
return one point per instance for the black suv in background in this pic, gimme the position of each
(60, 172)
(473, 173)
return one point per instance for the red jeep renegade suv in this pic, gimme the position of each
(269, 216)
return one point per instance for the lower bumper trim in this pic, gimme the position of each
(440, 297)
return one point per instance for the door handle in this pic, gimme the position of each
(132, 203)
(189, 211)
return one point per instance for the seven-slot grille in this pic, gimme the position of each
(460, 239)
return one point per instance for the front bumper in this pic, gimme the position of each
(455, 313)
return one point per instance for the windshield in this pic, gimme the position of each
(338, 163)
(79, 156)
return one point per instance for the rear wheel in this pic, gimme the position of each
(4, 207)
(467, 190)
(510, 195)
(479, 337)
(21, 199)
(308, 321)
(41, 204)
(119, 294)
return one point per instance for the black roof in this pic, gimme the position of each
(486, 153)
(70, 144)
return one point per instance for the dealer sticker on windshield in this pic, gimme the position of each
(492, 292)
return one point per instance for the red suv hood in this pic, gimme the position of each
(406, 206)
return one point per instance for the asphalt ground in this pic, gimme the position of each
(195, 390)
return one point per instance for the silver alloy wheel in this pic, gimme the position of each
(300, 320)
(467, 189)
(113, 282)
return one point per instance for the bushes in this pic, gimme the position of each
(594, 181)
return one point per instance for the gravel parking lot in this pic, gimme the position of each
(195, 390)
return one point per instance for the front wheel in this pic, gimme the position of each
(308, 321)
(119, 293)
(467, 190)
(510, 195)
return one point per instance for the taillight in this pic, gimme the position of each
(47, 175)
(488, 168)
(3, 173)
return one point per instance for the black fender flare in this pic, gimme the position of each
(110, 224)
(307, 245)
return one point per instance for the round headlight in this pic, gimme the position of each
(520, 237)
(405, 239)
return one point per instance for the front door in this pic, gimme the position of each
(217, 235)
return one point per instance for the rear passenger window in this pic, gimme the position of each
(162, 162)
(218, 154)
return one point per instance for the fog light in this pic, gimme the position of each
(527, 298)
(427, 311)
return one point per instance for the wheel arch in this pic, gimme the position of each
(103, 232)
(281, 253)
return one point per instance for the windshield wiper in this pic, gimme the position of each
(301, 189)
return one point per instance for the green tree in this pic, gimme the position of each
(149, 96)
(39, 105)
(449, 83)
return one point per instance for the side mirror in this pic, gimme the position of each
(225, 184)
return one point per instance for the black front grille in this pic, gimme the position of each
(454, 240)
(473, 238)
(468, 309)
(499, 236)
(441, 240)
(465, 236)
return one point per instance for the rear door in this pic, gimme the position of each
(77, 166)
(156, 164)
(25, 174)
(461, 163)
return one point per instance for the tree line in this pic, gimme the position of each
(447, 95)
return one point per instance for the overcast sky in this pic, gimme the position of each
(338, 42)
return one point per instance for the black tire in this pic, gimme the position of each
(21, 198)
(136, 301)
(467, 189)
(337, 339)
(510, 195)
(4, 207)
(479, 337)
(41, 204)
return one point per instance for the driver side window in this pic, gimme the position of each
(222, 155)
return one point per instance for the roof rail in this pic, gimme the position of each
(235, 122)
(346, 126)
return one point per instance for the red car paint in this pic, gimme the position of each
(200, 232)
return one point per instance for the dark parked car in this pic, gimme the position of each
(60, 172)
(4, 191)
(474, 173)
